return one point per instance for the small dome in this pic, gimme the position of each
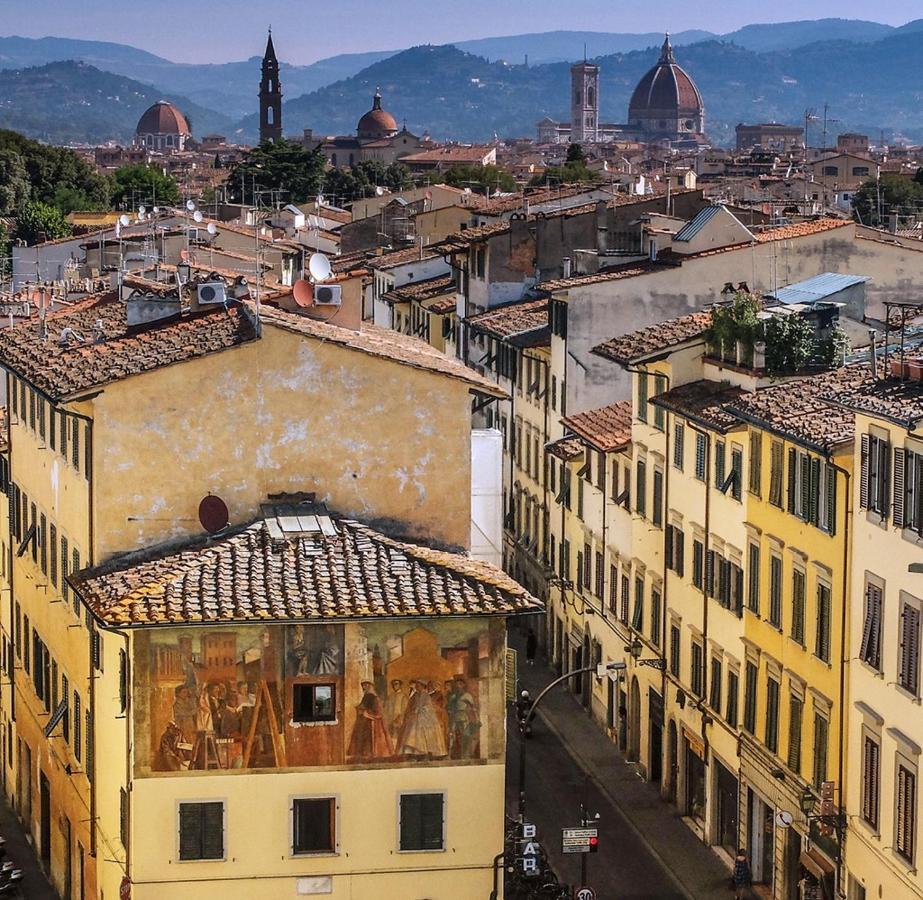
(665, 88)
(376, 123)
(162, 118)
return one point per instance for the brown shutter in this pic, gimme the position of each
(864, 474)
(899, 478)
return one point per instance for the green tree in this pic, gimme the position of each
(575, 172)
(480, 179)
(139, 183)
(6, 251)
(877, 198)
(575, 154)
(344, 185)
(37, 222)
(285, 166)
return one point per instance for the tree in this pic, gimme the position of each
(362, 179)
(284, 166)
(877, 198)
(14, 181)
(480, 179)
(140, 183)
(5, 252)
(575, 154)
(569, 173)
(37, 222)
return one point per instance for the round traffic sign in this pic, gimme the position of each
(784, 818)
(585, 893)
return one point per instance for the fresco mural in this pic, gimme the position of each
(290, 696)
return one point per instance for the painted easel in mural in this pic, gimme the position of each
(264, 703)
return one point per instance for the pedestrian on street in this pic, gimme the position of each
(531, 647)
(743, 878)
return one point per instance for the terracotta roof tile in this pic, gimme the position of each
(704, 402)
(329, 569)
(423, 290)
(888, 397)
(565, 448)
(637, 345)
(800, 229)
(607, 428)
(629, 270)
(512, 319)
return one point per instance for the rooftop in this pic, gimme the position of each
(565, 448)
(813, 290)
(653, 339)
(512, 319)
(889, 398)
(704, 402)
(607, 428)
(423, 290)
(296, 563)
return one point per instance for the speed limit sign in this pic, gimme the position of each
(585, 893)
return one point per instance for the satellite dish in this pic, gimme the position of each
(190, 205)
(212, 228)
(320, 199)
(303, 292)
(197, 216)
(319, 267)
(213, 514)
(379, 191)
(141, 211)
(124, 220)
(156, 210)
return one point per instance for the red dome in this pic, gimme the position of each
(376, 123)
(665, 88)
(162, 118)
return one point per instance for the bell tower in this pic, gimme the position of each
(584, 103)
(270, 96)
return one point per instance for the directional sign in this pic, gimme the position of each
(585, 893)
(578, 840)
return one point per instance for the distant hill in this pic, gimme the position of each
(458, 95)
(72, 102)
(792, 35)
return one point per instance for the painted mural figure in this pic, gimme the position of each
(464, 720)
(185, 705)
(370, 739)
(395, 708)
(422, 734)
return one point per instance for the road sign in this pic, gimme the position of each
(579, 840)
(585, 893)
(784, 818)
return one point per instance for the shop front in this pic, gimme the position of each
(694, 762)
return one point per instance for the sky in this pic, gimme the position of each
(307, 30)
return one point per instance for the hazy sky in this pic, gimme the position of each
(221, 30)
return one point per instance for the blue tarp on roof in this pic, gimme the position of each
(818, 288)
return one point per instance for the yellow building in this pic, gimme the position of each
(170, 688)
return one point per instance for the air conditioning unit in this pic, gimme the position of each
(211, 292)
(328, 294)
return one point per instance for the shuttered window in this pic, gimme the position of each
(733, 689)
(871, 780)
(874, 478)
(657, 511)
(422, 819)
(775, 473)
(909, 669)
(750, 697)
(696, 672)
(656, 616)
(614, 589)
(737, 470)
(908, 490)
(53, 555)
(201, 830)
(700, 454)
(600, 575)
(756, 463)
(906, 819)
(698, 563)
(660, 415)
(822, 642)
(870, 648)
(798, 606)
(714, 687)
(678, 435)
(314, 825)
(753, 591)
(642, 397)
(637, 616)
(720, 464)
(772, 715)
(795, 717)
(821, 741)
(641, 489)
(624, 599)
(775, 591)
(674, 649)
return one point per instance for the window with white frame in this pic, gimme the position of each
(422, 821)
(201, 830)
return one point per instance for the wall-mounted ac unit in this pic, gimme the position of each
(328, 294)
(211, 292)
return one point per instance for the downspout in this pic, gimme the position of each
(10, 561)
(128, 748)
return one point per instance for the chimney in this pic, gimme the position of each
(759, 355)
(566, 267)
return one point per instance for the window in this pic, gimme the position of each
(714, 696)
(65, 558)
(795, 716)
(313, 702)
(798, 606)
(637, 616)
(78, 738)
(422, 821)
(908, 490)
(626, 590)
(756, 462)
(871, 780)
(720, 464)
(737, 472)
(700, 456)
(696, 671)
(657, 512)
(698, 563)
(775, 473)
(753, 591)
(660, 415)
(906, 820)
(641, 489)
(600, 575)
(733, 690)
(656, 608)
(909, 665)
(775, 591)
(874, 487)
(314, 825)
(65, 697)
(750, 697)
(870, 648)
(772, 714)
(586, 575)
(642, 397)
(822, 643)
(678, 435)
(53, 555)
(613, 588)
(201, 830)
(675, 549)
(821, 739)
(674, 649)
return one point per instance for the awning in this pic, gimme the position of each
(816, 864)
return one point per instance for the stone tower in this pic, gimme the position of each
(584, 103)
(270, 96)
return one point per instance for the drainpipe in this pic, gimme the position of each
(128, 746)
(11, 555)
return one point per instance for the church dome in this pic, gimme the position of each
(162, 118)
(666, 91)
(377, 122)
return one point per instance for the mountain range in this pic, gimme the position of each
(474, 89)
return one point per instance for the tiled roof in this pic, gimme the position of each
(629, 270)
(798, 411)
(512, 319)
(565, 448)
(800, 229)
(62, 370)
(401, 257)
(512, 202)
(887, 397)
(461, 240)
(704, 402)
(654, 338)
(423, 290)
(441, 305)
(384, 343)
(607, 428)
(300, 564)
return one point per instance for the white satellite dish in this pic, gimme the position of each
(156, 210)
(190, 205)
(142, 210)
(319, 267)
(197, 216)
(212, 228)
(124, 220)
(379, 191)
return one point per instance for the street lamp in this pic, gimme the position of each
(636, 648)
(806, 801)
